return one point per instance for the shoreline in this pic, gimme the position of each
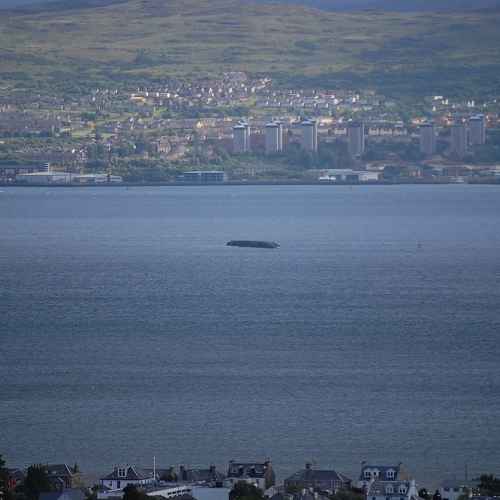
(252, 183)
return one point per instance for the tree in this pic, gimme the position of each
(423, 493)
(3, 478)
(37, 481)
(169, 475)
(245, 491)
(489, 485)
(292, 489)
(131, 492)
(348, 495)
(91, 494)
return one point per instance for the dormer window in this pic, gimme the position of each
(368, 474)
(390, 474)
(402, 490)
(389, 489)
(122, 472)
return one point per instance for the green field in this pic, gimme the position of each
(143, 40)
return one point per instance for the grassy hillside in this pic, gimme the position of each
(152, 39)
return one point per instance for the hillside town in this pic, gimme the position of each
(245, 129)
(239, 481)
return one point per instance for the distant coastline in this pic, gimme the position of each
(413, 182)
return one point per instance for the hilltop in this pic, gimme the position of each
(137, 41)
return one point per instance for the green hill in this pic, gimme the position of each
(143, 40)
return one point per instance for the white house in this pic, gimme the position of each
(370, 473)
(392, 490)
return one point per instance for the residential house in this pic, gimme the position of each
(62, 476)
(259, 474)
(123, 475)
(453, 489)
(392, 490)
(370, 473)
(208, 476)
(317, 479)
(15, 478)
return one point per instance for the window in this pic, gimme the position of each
(389, 489)
(368, 474)
(122, 472)
(390, 474)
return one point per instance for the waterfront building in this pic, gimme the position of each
(203, 177)
(348, 175)
(356, 138)
(309, 135)
(260, 475)
(241, 138)
(45, 178)
(477, 130)
(324, 480)
(9, 173)
(427, 139)
(96, 179)
(458, 146)
(273, 138)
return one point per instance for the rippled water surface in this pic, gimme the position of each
(128, 329)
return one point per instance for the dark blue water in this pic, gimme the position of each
(128, 329)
